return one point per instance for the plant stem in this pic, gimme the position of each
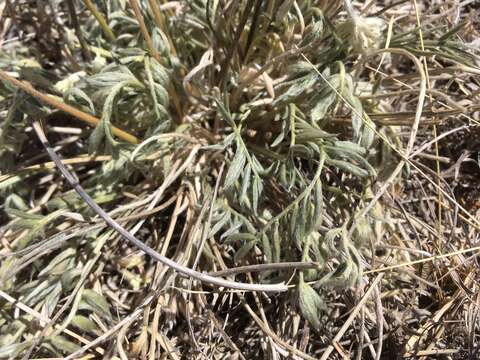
(83, 44)
(83, 116)
(143, 28)
(160, 22)
(101, 20)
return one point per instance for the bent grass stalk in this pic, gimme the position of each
(139, 244)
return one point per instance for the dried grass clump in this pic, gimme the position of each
(251, 179)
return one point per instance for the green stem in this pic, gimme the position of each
(304, 193)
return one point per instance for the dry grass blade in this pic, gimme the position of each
(89, 119)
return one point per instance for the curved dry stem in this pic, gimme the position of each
(139, 244)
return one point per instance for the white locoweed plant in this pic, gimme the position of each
(277, 92)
